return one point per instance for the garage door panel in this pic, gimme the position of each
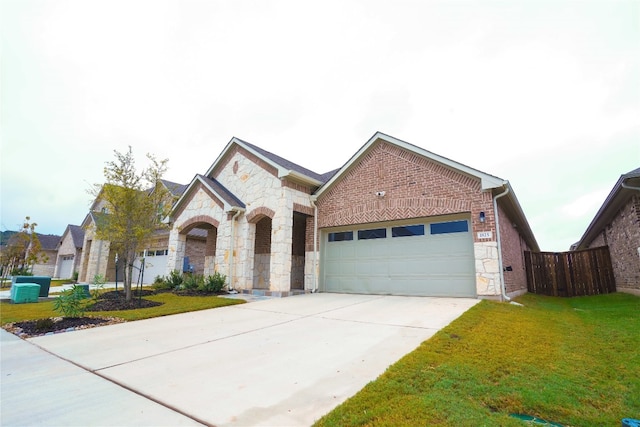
(426, 264)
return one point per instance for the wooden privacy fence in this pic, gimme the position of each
(570, 274)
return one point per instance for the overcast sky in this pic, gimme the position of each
(545, 94)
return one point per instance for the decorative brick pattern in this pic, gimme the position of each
(307, 210)
(413, 187)
(257, 214)
(296, 186)
(192, 223)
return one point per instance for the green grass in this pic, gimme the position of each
(574, 361)
(172, 304)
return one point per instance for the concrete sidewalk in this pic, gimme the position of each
(274, 362)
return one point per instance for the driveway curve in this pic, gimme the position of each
(282, 362)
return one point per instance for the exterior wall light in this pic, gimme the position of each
(482, 216)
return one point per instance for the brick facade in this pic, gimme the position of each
(256, 220)
(414, 187)
(513, 248)
(622, 236)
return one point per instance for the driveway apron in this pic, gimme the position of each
(276, 362)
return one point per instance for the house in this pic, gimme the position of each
(69, 252)
(97, 258)
(617, 225)
(394, 219)
(47, 256)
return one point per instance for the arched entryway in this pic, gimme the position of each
(201, 236)
(262, 253)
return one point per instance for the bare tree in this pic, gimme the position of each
(23, 250)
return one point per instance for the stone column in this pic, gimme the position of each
(281, 241)
(487, 268)
(177, 246)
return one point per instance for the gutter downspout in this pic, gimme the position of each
(231, 244)
(629, 187)
(503, 288)
(315, 244)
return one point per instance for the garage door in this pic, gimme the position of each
(66, 265)
(426, 258)
(155, 264)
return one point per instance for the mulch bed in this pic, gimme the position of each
(108, 301)
(56, 325)
(115, 301)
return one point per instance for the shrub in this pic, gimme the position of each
(192, 282)
(75, 276)
(214, 284)
(98, 280)
(71, 303)
(174, 280)
(44, 325)
(161, 284)
(22, 271)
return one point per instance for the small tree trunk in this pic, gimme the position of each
(128, 280)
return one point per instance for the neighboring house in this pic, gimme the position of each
(617, 225)
(395, 219)
(69, 252)
(98, 259)
(48, 255)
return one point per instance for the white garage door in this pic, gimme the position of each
(426, 258)
(155, 264)
(66, 265)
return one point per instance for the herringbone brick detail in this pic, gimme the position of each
(413, 186)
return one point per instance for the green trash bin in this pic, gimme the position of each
(24, 292)
(43, 281)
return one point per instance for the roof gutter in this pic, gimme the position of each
(299, 177)
(315, 244)
(629, 187)
(503, 288)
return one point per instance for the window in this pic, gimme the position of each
(341, 236)
(408, 230)
(162, 252)
(376, 233)
(449, 227)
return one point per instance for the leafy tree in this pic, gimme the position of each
(136, 203)
(22, 251)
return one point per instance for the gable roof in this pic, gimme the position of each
(229, 200)
(620, 194)
(49, 242)
(285, 168)
(509, 203)
(174, 188)
(77, 235)
(487, 181)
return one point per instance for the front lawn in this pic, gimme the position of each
(172, 304)
(573, 361)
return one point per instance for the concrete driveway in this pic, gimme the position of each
(275, 362)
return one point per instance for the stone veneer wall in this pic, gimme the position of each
(48, 267)
(622, 236)
(67, 248)
(256, 183)
(414, 187)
